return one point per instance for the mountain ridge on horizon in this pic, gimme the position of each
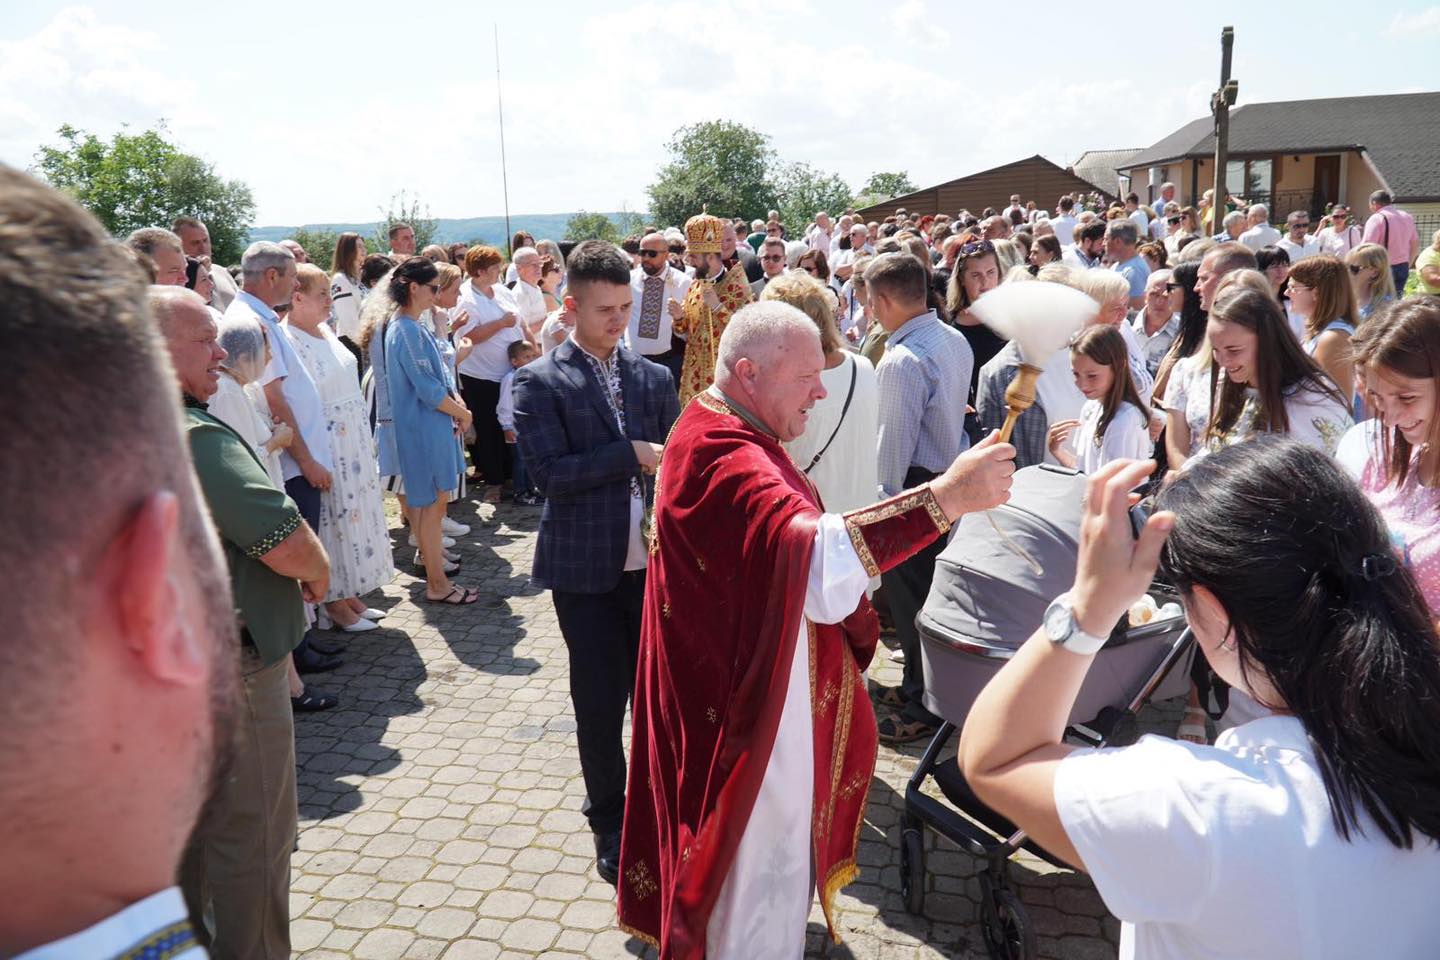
(489, 230)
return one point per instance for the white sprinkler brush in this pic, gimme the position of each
(1040, 317)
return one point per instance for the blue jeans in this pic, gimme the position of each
(1401, 273)
(520, 477)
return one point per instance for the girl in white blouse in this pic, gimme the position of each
(1309, 832)
(1114, 423)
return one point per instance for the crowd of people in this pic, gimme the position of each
(853, 360)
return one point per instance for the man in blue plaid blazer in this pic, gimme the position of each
(590, 417)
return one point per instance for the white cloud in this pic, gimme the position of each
(1418, 25)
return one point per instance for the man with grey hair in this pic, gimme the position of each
(1260, 234)
(529, 299)
(236, 874)
(1156, 326)
(195, 240)
(755, 598)
(1234, 225)
(268, 280)
(1122, 238)
(821, 234)
(164, 250)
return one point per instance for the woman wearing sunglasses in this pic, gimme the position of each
(1236, 849)
(1338, 233)
(1370, 277)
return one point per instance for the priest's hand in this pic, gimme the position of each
(676, 308)
(978, 479)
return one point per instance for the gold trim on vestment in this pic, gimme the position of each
(857, 520)
(713, 403)
(638, 934)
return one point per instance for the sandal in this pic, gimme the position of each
(312, 701)
(1192, 727)
(887, 696)
(467, 597)
(894, 728)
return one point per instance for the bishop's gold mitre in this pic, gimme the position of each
(702, 233)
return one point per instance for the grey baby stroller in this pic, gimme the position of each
(989, 594)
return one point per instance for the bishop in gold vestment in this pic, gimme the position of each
(710, 303)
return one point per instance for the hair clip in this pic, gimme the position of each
(1373, 566)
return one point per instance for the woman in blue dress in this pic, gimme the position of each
(425, 418)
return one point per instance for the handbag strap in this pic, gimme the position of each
(849, 395)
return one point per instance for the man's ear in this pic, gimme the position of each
(153, 615)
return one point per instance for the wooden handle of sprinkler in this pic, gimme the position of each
(1019, 397)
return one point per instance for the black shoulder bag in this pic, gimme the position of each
(849, 395)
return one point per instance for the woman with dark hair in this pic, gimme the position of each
(1400, 353)
(1274, 262)
(347, 293)
(1309, 832)
(456, 253)
(521, 238)
(197, 278)
(372, 269)
(1262, 382)
(1045, 250)
(426, 419)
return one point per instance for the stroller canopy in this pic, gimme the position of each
(985, 589)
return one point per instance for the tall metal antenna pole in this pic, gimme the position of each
(504, 176)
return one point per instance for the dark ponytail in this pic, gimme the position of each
(411, 270)
(1301, 562)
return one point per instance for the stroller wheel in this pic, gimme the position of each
(1006, 925)
(912, 868)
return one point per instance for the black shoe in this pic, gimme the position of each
(312, 662)
(312, 701)
(607, 857)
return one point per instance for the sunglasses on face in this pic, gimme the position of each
(774, 258)
(651, 254)
(1172, 220)
(975, 248)
(1300, 226)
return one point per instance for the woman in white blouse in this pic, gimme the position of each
(346, 291)
(238, 400)
(1307, 833)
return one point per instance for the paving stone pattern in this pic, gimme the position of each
(440, 803)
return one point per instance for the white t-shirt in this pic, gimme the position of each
(1229, 851)
(1142, 222)
(848, 475)
(1064, 226)
(1260, 235)
(1298, 251)
(490, 359)
(346, 297)
(1126, 438)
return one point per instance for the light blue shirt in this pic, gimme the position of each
(298, 387)
(1137, 272)
(924, 385)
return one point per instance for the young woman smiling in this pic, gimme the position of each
(1400, 351)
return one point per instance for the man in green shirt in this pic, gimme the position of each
(237, 870)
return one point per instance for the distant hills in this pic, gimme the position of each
(489, 230)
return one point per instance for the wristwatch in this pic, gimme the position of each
(1063, 630)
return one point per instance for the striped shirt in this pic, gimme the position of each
(924, 381)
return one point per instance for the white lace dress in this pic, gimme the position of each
(352, 513)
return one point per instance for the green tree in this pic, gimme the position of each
(144, 180)
(803, 190)
(884, 186)
(718, 165)
(591, 226)
(403, 209)
(319, 244)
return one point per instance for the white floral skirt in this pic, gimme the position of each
(352, 512)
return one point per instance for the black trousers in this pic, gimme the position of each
(487, 453)
(359, 355)
(906, 587)
(307, 499)
(602, 634)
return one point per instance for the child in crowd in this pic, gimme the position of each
(1113, 422)
(520, 353)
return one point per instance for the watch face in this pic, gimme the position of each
(1058, 621)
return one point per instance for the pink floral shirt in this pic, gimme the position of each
(1412, 513)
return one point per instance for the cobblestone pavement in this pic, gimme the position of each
(440, 803)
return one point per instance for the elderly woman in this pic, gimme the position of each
(1233, 850)
(352, 513)
(837, 449)
(426, 419)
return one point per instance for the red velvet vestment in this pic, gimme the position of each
(730, 552)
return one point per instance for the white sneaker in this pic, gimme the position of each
(445, 542)
(361, 626)
(453, 528)
(373, 614)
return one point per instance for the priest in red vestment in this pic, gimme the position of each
(754, 741)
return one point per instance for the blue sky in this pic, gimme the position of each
(296, 104)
